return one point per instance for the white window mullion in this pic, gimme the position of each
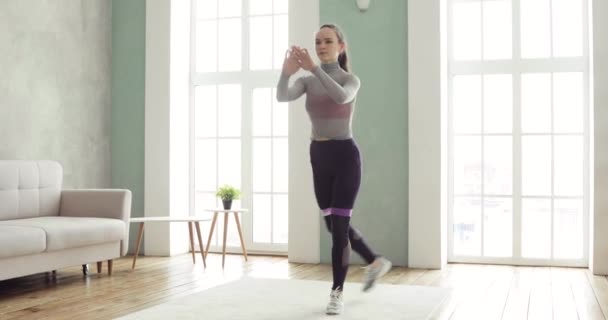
(450, 132)
(217, 141)
(586, 134)
(267, 78)
(502, 66)
(552, 134)
(552, 207)
(517, 143)
(246, 130)
(272, 191)
(191, 112)
(247, 164)
(483, 138)
(245, 36)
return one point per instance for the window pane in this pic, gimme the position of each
(233, 234)
(498, 169)
(260, 53)
(536, 165)
(230, 8)
(229, 165)
(281, 29)
(280, 221)
(568, 232)
(568, 173)
(536, 228)
(203, 201)
(536, 103)
(467, 226)
(567, 28)
(280, 115)
(467, 165)
(261, 218)
(206, 167)
(262, 165)
(205, 107)
(206, 46)
(535, 28)
(498, 103)
(568, 102)
(229, 44)
(206, 9)
(262, 102)
(206, 200)
(498, 232)
(257, 7)
(280, 165)
(229, 109)
(466, 103)
(497, 29)
(467, 30)
(280, 6)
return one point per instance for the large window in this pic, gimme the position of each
(240, 130)
(518, 131)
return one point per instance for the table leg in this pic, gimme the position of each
(200, 242)
(191, 241)
(225, 233)
(238, 226)
(139, 236)
(211, 232)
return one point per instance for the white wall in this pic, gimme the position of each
(55, 86)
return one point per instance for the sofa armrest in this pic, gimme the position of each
(98, 203)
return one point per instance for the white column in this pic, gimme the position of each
(427, 219)
(304, 217)
(156, 202)
(598, 261)
(166, 124)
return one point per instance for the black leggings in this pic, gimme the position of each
(342, 235)
(336, 166)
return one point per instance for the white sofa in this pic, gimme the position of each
(44, 228)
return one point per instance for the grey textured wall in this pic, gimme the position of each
(55, 73)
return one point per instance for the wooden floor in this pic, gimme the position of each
(478, 291)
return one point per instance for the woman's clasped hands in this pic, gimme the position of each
(295, 58)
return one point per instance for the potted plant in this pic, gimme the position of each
(228, 193)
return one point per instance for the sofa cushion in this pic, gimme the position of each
(23, 241)
(73, 232)
(29, 189)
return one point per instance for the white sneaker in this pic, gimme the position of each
(336, 304)
(374, 271)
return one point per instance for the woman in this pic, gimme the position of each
(331, 92)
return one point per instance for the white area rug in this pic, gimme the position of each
(250, 298)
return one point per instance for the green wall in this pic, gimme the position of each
(128, 98)
(377, 41)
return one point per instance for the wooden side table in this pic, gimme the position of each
(190, 220)
(236, 212)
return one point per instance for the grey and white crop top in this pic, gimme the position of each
(331, 93)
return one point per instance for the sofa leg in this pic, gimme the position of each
(85, 269)
(99, 265)
(110, 267)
